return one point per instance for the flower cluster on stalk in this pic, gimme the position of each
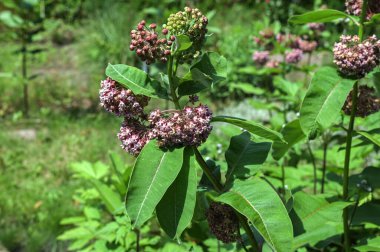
(367, 102)
(223, 222)
(190, 22)
(172, 129)
(354, 7)
(148, 45)
(187, 127)
(356, 58)
(294, 46)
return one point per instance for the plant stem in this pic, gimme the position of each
(324, 166)
(314, 167)
(171, 83)
(137, 240)
(283, 174)
(217, 186)
(25, 79)
(346, 171)
(347, 244)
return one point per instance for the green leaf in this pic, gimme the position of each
(247, 88)
(374, 19)
(372, 244)
(203, 74)
(253, 127)
(256, 200)
(244, 157)
(373, 136)
(176, 208)
(288, 87)
(183, 43)
(315, 219)
(154, 171)
(110, 198)
(11, 20)
(320, 16)
(136, 80)
(293, 134)
(324, 99)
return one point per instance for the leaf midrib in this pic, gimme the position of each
(149, 189)
(261, 218)
(137, 86)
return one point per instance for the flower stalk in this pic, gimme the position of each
(346, 227)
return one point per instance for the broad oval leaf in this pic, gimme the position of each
(320, 16)
(153, 173)
(293, 134)
(136, 80)
(244, 156)
(256, 200)
(253, 127)
(324, 100)
(315, 219)
(175, 210)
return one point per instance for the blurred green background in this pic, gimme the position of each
(56, 51)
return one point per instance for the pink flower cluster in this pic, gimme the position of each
(188, 127)
(260, 57)
(120, 101)
(294, 56)
(133, 136)
(148, 46)
(354, 7)
(356, 58)
(316, 26)
(296, 45)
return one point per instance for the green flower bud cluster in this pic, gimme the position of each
(190, 22)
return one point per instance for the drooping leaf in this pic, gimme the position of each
(324, 100)
(253, 127)
(256, 200)
(153, 173)
(244, 156)
(175, 209)
(293, 134)
(320, 16)
(203, 74)
(315, 219)
(136, 80)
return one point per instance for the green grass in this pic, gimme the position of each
(35, 184)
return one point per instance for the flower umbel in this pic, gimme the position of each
(133, 136)
(122, 102)
(355, 58)
(223, 222)
(188, 127)
(148, 46)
